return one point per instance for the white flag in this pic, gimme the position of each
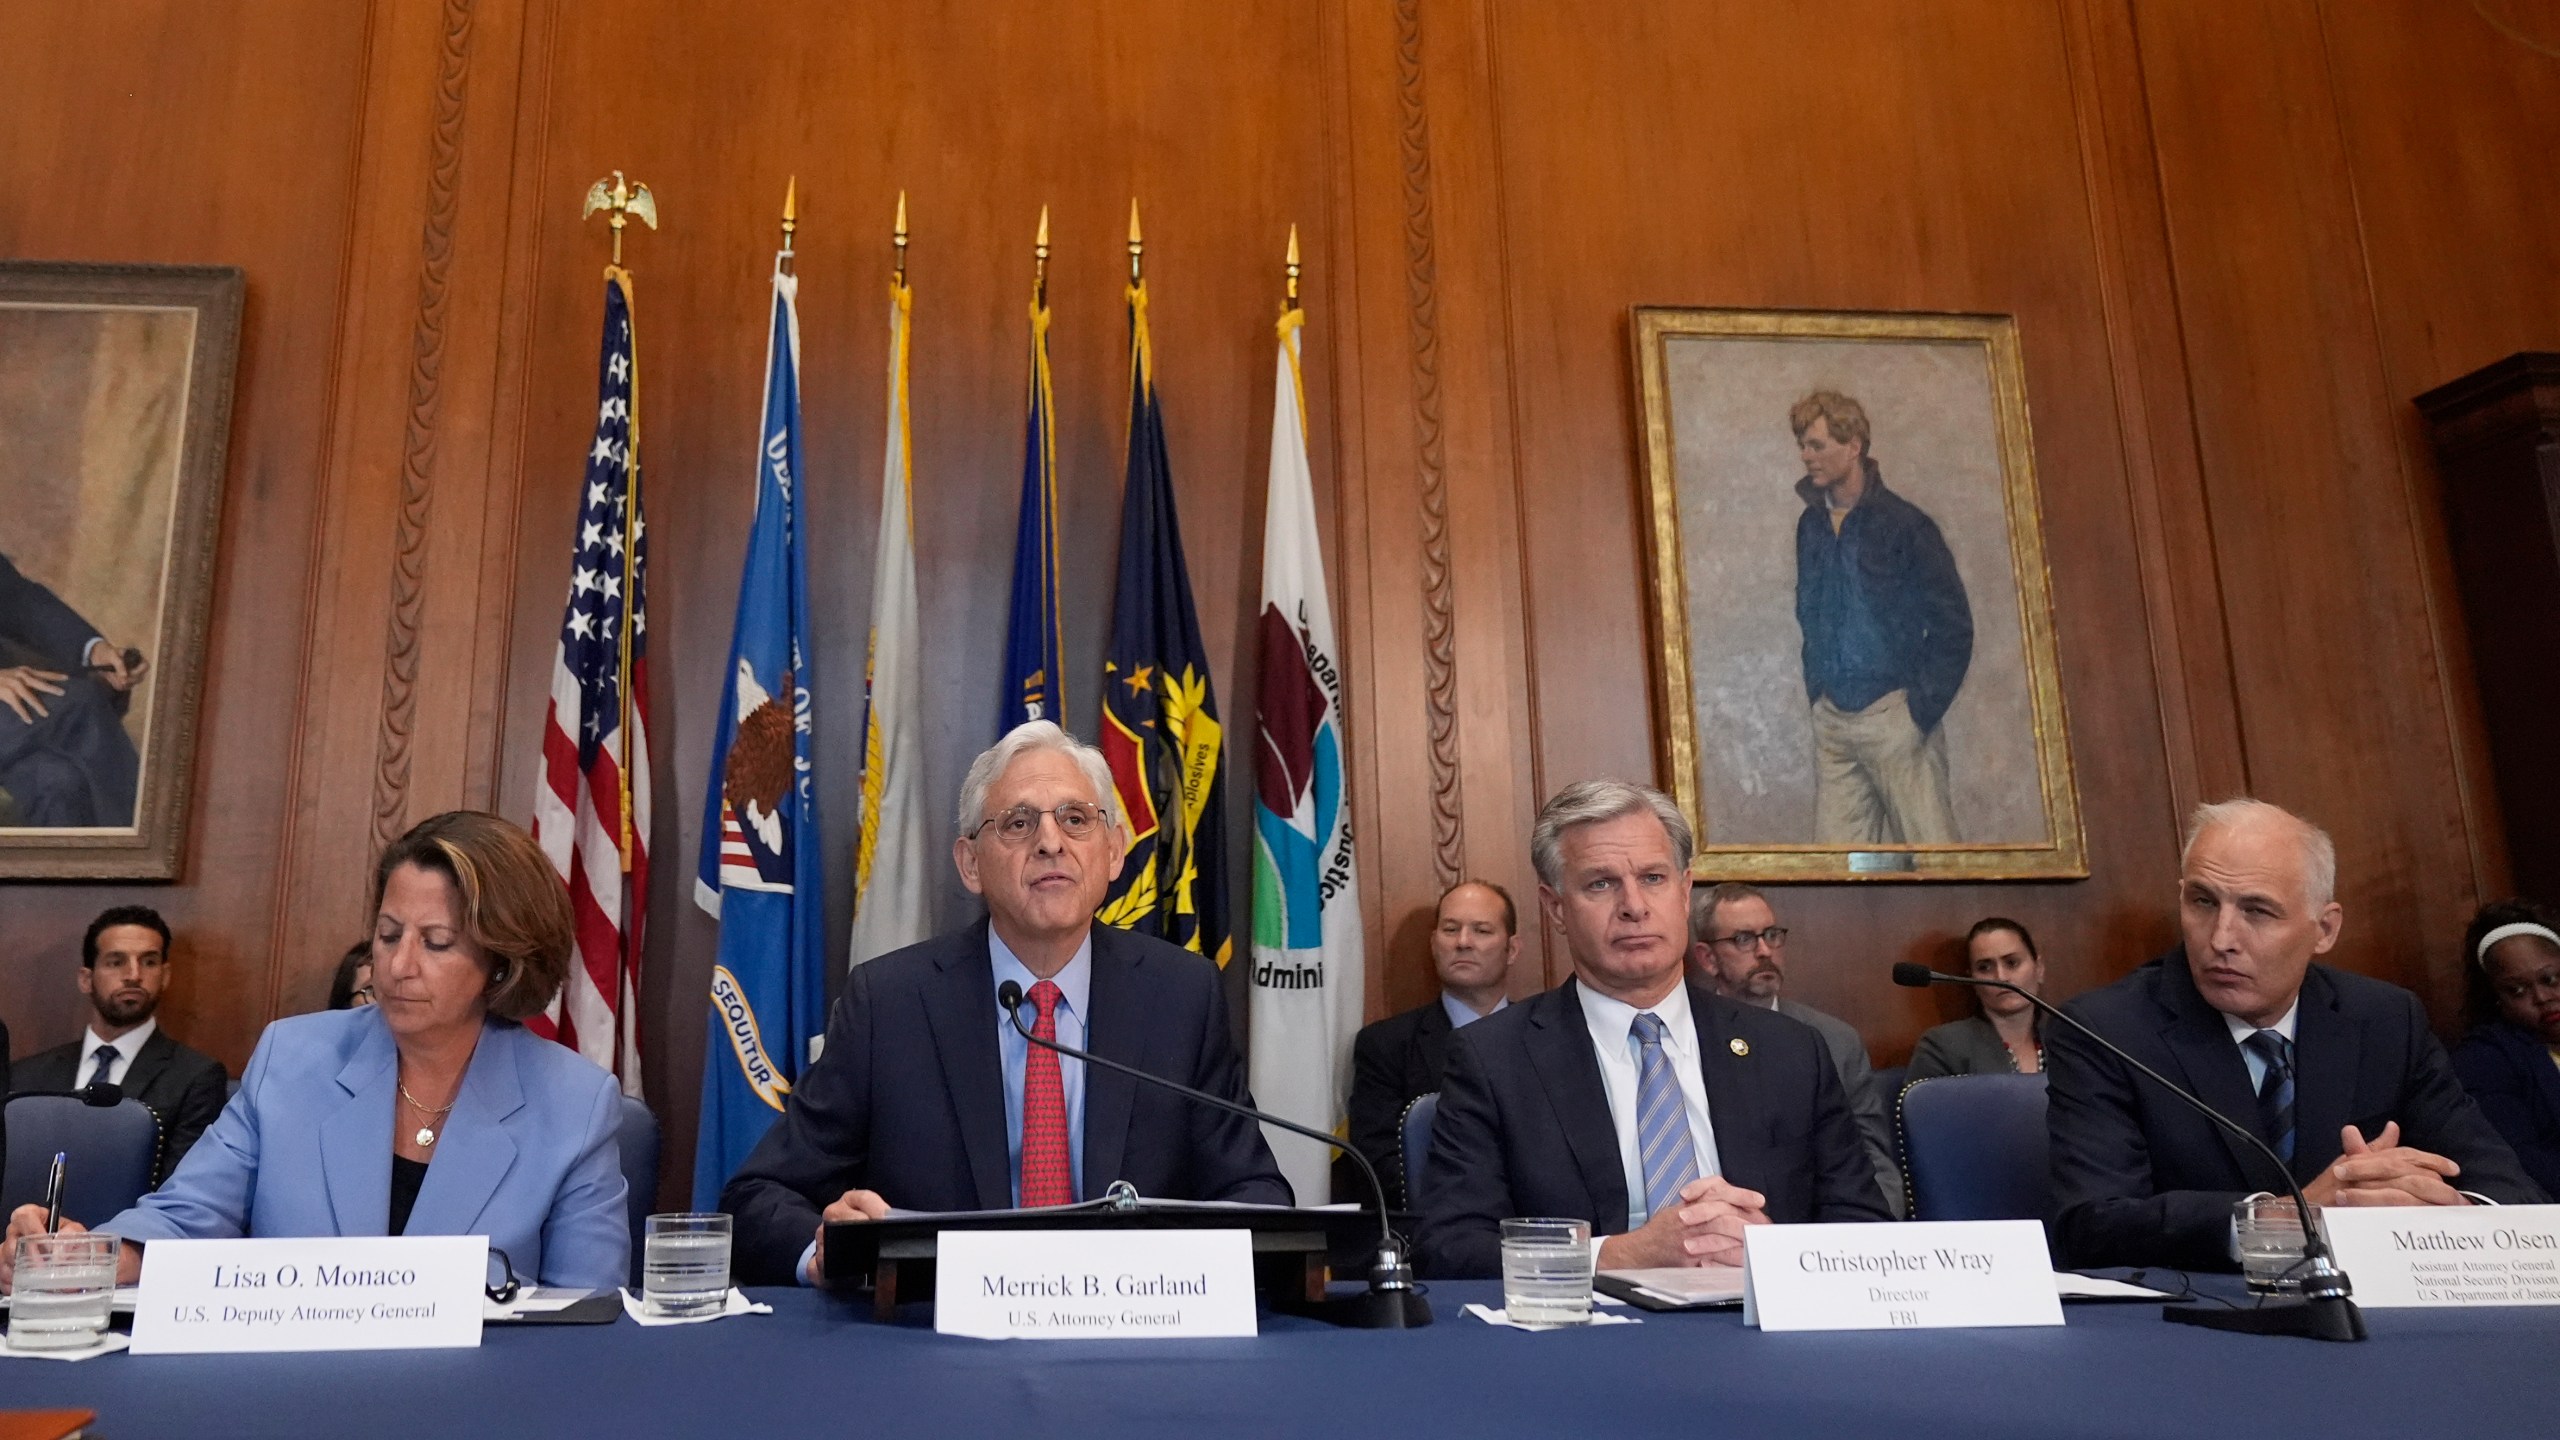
(1307, 981)
(890, 906)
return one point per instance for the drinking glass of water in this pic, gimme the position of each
(2266, 1237)
(66, 1287)
(684, 1266)
(1546, 1272)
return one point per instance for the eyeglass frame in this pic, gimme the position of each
(1102, 820)
(1775, 937)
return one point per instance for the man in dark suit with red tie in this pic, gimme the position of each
(927, 1098)
(1666, 1115)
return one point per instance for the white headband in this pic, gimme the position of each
(2509, 932)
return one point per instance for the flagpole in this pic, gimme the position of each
(620, 202)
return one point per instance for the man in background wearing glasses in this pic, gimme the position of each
(927, 1097)
(1738, 948)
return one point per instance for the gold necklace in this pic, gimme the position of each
(426, 1136)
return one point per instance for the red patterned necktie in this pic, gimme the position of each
(1047, 1179)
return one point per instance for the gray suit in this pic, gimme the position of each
(1858, 1078)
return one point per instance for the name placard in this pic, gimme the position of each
(201, 1297)
(1925, 1275)
(1093, 1284)
(2448, 1255)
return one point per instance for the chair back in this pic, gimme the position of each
(1414, 1134)
(1973, 1147)
(639, 1137)
(111, 1150)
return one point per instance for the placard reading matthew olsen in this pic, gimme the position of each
(1093, 1284)
(2431, 1256)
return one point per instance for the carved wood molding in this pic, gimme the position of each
(1422, 294)
(418, 447)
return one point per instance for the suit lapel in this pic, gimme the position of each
(962, 1012)
(355, 1161)
(2200, 1039)
(149, 1063)
(473, 1151)
(1430, 1057)
(1559, 1044)
(2326, 1061)
(1733, 1100)
(1115, 1001)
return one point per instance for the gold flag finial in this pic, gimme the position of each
(620, 201)
(790, 210)
(1289, 301)
(898, 237)
(1040, 261)
(1137, 241)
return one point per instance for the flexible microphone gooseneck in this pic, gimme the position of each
(1392, 1302)
(2325, 1312)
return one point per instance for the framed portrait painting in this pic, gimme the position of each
(115, 403)
(1855, 669)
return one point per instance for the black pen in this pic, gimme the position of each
(53, 1196)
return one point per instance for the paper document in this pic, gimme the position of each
(1685, 1284)
(2098, 1287)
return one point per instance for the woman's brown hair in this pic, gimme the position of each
(514, 907)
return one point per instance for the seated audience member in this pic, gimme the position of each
(1474, 939)
(2007, 1038)
(1666, 1115)
(2510, 1062)
(432, 1112)
(2338, 1072)
(927, 1098)
(124, 966)
(353, 984)
(1740, 951)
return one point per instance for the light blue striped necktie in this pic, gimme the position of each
(1662, 1120)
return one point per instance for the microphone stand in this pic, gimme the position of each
(1392, 1302)
(2325, 1311)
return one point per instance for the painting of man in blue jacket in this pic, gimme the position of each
(1888, 635)
(65, 759)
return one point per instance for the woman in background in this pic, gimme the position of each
(2006, 1038)
(431, 1111)
(353, 984)
(2510, 1062)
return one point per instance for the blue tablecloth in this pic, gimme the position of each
(819, 1366)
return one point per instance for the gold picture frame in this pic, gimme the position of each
(1854, 757)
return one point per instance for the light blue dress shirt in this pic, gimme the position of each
(1075, 983)
(1461, 1014)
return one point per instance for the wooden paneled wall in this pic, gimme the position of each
(2237, 237)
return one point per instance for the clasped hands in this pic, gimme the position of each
(2384, 1172)
(1705, 1228)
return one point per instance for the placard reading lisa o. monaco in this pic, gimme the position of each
(2448, 1255)
(201, 1297)
(1093, 1284)
(1925, 1275)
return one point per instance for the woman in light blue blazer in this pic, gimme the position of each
(432, 1111)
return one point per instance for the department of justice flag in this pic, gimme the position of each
(591, 808)
(759, 871)
(1033, 688)
(1160, 728)
(1307, 940)
(890, 894)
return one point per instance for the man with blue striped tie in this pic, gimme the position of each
(2339, 1071)
(1666, 1115)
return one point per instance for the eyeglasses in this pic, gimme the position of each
(508, 1286)
(1076, 820)
(1775, 937)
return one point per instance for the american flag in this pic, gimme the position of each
(591, 812)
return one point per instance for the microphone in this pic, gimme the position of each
(1392, 1302)
(2325, 1312)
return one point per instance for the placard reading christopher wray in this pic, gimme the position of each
(352, 1293)
(1093, 1284)
(2444, 1255)
(1916, 1276)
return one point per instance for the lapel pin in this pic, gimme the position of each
(1741, 1046)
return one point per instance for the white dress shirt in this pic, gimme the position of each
(1612, 1024)
(1461, 1014)
(128, 1045)
(2241, 1030)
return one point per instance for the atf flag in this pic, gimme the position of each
(1032, 637)
(759, 871)
(1159, 716)
(1307, 984)
(891, 907)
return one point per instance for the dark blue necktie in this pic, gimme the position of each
(107, 1058)
(2275, 1092)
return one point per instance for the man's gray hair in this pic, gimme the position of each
(2319, 852)
(1706, 900)
(1019, 741)
(1588, 802)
